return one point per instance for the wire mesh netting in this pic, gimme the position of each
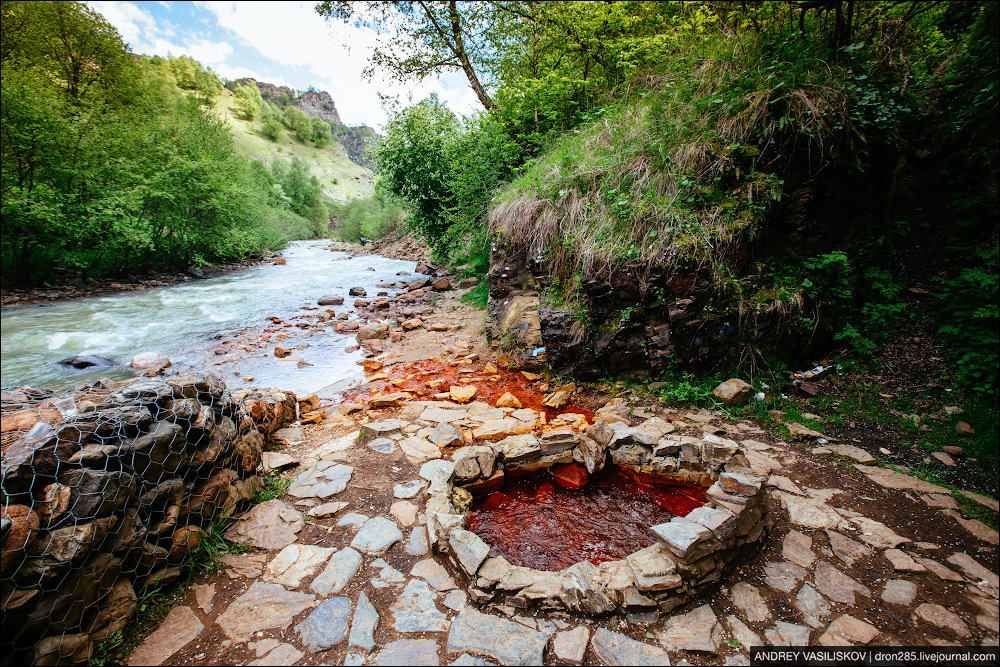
(107, 490)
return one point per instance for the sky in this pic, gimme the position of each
(284, 43)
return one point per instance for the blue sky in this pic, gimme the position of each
(284, 43)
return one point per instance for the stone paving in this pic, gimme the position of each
(333, 581)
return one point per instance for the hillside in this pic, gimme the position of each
(342, 179)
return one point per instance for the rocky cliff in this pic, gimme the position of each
(359, 141)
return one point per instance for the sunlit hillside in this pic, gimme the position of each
(342, 180)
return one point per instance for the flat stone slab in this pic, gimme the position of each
(326, 626)
(404, 512)
(897, 480)
(680, 535)
(419, 449)
(940, 570)
(470, 549)
(204, 595)
(697, 630)
(179, 627)
(250, 566)
(387, 576)
(294, 563)
(364, 625)
(434, 574)
(748, 599)
(261, 607)
(848, 631)
(810, 512)
(939, 617)
(509, 642)
(325, 480)
(974, 569)
(414, 610)
(797, 548)
(280, 655)
(270, 525)
(417, 545)
(341, 568)
(382, 445)
(376, 536)
(813, 606)
(847, 549)
(856, 453)
(836, 585)
(902, 562)
(326, 509)
(409, 652)
(899, 591)
(383, 428)
(743, 634)
(437, 473)
(352, 520)
(876, 533)
(408, 490)
(787, 634)
(613, 648)
(784, 576)
(278, 461)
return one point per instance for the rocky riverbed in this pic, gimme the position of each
(855, 553)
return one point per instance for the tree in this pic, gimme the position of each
(442, 35)
(248, 101)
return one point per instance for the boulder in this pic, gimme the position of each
(148, 361)
(357, 291)
(87, 361)
(733, 392)
(331, 301)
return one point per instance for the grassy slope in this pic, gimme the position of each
(353, 181)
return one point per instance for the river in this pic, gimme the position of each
(185, 321)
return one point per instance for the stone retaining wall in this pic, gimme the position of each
(106, 491)
(691, 552)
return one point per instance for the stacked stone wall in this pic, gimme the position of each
(106, 492)
(690, 553)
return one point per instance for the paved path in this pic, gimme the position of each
(342, 573)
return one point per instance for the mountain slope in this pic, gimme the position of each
(342, 180)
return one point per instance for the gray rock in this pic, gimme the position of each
(470, 550)
(466, 660)
(612, 648)
(446, 435)
(326, 626)
(813, 606)
(409, 652)
(325, 480)
(741, 633)
(836, 585)
(352, 519)
(938, 616)
(698, 630)
(509, 642)
(417, 544)
(570, 645)
(720, 521)
(270, 525)
(179, 627)
(365, 624)
(787, 634)
(294, 563)
(261, 607)
(748, 599)
(848, 631)
(409, 489)
(282, 654)
(382, 428)
(899, 591)
(682, 537)
(341, 568)
(847, 549)
(797, 548)
(456, 600)
(388, 575)
(326, 509)
(414, 610)
(382, 445)
(438, 473)
(784, 576)
(432, 572)
(376, 536)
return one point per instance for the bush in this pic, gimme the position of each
(370, 218)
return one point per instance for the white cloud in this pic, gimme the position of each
(293, 34)
(131, 21)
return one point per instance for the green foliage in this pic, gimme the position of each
(970, 310)
(369, 218)
(275, 486)
(478, 296)
(248, 101)
(111, 164)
